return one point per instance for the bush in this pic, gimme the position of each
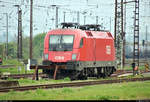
(67, 79)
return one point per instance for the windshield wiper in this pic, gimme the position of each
(64, 44)
(54, 48)
(57, 44)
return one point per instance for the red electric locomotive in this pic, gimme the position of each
(79, 53)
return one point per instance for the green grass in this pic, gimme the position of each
(123, 91)
(14, 70)
(119, 91)
(11, 62)
(25, 81)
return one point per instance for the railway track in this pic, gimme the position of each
(18, 76)
(7, 66)
(72, 84)
(128, 71)
(120, 72)
(4, 83)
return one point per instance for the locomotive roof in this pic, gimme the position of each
(83, 33)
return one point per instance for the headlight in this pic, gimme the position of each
(46, 56)
(74, 56)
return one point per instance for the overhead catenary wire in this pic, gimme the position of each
(48, 13)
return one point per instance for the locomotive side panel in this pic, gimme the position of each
(82, 50)
(87, 51)
(104, 50)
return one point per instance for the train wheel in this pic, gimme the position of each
(99, 73)
(74, 75)
(105, 74)
(81, 75)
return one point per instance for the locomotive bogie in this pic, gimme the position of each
(82, 70)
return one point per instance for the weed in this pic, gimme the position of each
(40, 92)
(98, 97)
(10, 79)
(11, 92)
(133, 96)
(67, 79)
(67, 90)
(115, 97)
(105, 97)
(4, 97)
(26, 81)
(85, 88)
(27, 92)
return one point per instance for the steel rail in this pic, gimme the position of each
(72, 84)
(7, 66)
(129, 71)
(120, 72)
(18, 76)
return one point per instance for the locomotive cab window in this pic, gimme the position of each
(81, 43)
(61, 42)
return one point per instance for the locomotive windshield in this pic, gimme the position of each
(61, 42)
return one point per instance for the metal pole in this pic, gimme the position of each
(84, 19)
(64, 16)
(2, 52)
(6, 36)
(115, 28)
(122, 34)
(136, 51)
(96, 19)
(31, 1)
(78, 17)
(124, 37)
(56, 20)
(122, 31)
(1, 47)
(20, 34)
(110, 24)
(146, 55)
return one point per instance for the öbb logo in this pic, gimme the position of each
(59, 57)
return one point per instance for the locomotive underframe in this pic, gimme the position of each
(81, 69)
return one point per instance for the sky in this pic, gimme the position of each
(44, 15)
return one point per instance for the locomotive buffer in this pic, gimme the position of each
(37, 67)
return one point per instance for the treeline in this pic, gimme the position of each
(38, 45)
